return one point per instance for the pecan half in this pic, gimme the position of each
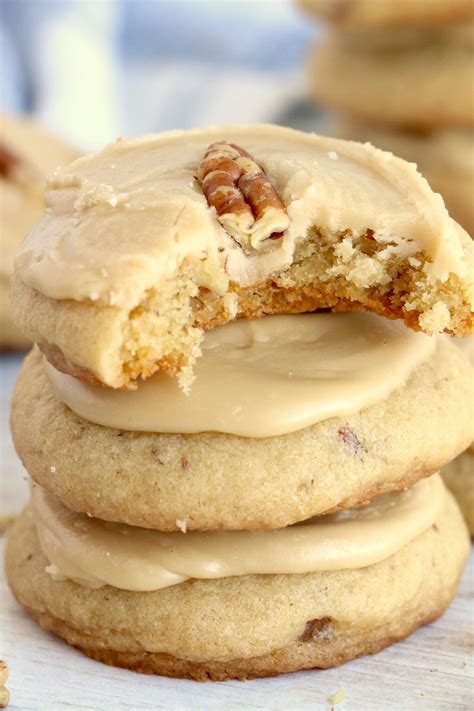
(248, 206)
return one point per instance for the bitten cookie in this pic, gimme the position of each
(215, 481)
(404, 78)
(155, 240)
(248, 626)
(27, 155)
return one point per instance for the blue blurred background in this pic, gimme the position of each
(91, 70)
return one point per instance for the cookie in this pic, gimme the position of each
(147, 244)
(375, 14)
(459, 477)
(444, 157)
(27, 155)
(213, 481)
(417, 80)
(252, 625)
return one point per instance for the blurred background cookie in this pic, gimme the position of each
(400, 75)
(383, 13)
(28, 154)
(404, 77)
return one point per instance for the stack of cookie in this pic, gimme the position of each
(27, 155)
(400, 75)
(238, 403)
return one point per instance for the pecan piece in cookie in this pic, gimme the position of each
(248, 206)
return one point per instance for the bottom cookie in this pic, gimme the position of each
(459, 478)
(249, 626)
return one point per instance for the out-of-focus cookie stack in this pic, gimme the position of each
(400, 74)
(28, 154)
(230, 479)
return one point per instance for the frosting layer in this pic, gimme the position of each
(96, 553)
(125, 220)
(262, 378)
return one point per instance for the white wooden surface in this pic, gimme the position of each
(432, 670)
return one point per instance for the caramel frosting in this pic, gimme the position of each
(263, 378)
(127, 219)
(96, 553)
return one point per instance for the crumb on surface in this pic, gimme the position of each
(4, 697)
(4, 693)
(338, 697)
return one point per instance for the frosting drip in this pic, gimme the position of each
(262, 378)
(96, 553)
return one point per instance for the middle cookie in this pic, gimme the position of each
(289, 417)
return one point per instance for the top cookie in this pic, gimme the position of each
(27, 155)
(154, 239)
(388, 13)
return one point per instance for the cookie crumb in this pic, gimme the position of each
(338, 697)
(4, 697)
(4, 693)
(333, 155)
(3, 672)
(5, 523)
(182, 525)
(52, 470)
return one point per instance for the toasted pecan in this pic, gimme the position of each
(248, 206)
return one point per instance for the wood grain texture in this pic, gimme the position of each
(431, 671)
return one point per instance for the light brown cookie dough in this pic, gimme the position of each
(217, 481)
(131, 262)
(27, 155)
(405, 79)
(444, 157)
(458, 475)
(374, 14)
(249, 626)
